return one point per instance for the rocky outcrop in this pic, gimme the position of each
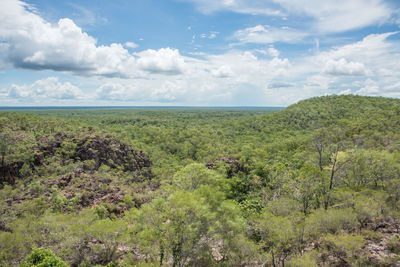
(67, 147)
(108, 151)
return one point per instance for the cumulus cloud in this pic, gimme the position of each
(343, 67)
(169, 91)
(49, 88)
(264, 34)
(370, 88)
(65, 47)
(164, 61)
(115, 91)
(236, 76)
(60, 47)
(224, 79)
(374, 55)
(246, 67)
(369, 49)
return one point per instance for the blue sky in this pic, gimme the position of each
(196, 52)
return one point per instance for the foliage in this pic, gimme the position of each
(316, 183)
(42, 258)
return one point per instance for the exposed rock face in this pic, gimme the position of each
(86, 184)
(108, 151)
(95, 189)
(101, 149)
(234, 165)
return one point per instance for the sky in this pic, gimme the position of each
(196, 52)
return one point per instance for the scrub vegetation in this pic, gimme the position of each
(314, 184)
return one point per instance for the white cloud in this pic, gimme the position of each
(212, 35)
(65, 47)
(246, 67)
(318, 82)
(168, 91)
(222, 72)
(391, 89)
(345, 92)
(373, 56)
(149, 91)
(325, 16)
(339, 15)
(253, 7)
(164, 61)
(369, 49)
(257, 77)
(370, 88)
(114, 91)
(232, 78)
(49, 88)
(343, 67)
(266, 34)
(60, 47)
(262, 76)
(273, 52)
(131, 45)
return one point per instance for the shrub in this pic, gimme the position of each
(42, 258)
(307, 259)
(343, 249)
(393, 244)
(330, 221)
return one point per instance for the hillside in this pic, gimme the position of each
(332, 110)
(315, 184)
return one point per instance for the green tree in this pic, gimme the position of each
(176, 226)
(279, 236)
(192, 176)
(307, 186)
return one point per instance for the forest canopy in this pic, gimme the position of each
(314, 184)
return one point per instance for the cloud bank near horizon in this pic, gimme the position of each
(250, 70)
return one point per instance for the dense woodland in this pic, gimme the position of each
(314, 184)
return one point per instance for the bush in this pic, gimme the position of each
(343, 249)
(393, 244)
(307, 259)
(330, 221)
(42, 258)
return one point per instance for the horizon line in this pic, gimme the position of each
(121, 107)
